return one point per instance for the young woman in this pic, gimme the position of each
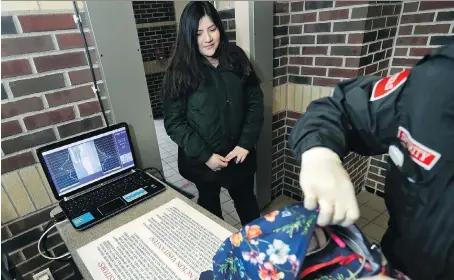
(213, 110)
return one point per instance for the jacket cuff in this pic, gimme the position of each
(245, 145)
(204, 156)
(315, 141)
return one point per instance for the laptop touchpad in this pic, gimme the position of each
(111, 206)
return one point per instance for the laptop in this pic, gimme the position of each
(95, 176)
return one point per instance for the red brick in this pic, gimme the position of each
(59, 61)
(300, 60)
(383, 65)
(69, 96)
(27, 141)
(417, 18)
(326, 82)
(80, 126)
(295, 70)
(11, 128)
(315, 50)
(83, 76)
(342, 73)
(328, 61)
(49, 118)
(297, 6)
(405, 30)
(15, 46)
(355, 38)
(313, 71)
(332, 15)
(17, 162)
(361, 71)
(72, 40)
(346, 50)
(283, 19)
(431, 29)
(409, 62)
(331, 39)
(302, 18)
(89, 108)
(22, 106)
(395, 70)
(400, 51)
(415, 40)
(317, 27)
(419, 51)
(435, 5)
(371, 69)
(48, 22)
(352, 62)
(350, 3)
(14, 68)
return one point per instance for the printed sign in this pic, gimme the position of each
(388, 85)
(422, 155)
(171, 242)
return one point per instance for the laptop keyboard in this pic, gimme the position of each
(111, 191)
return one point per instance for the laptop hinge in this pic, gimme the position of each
(98, 186)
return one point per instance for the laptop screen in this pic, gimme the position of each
(81, 163)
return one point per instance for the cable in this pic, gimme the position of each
(90, 63)
(50, 223)
(157, 170)
(41, 238)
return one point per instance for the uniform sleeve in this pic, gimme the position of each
(254, 115)
(348, 121)
(182, 133)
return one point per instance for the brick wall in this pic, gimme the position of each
(153, 11)
(228, 21)
(46, 96)
(316, 45)
(422, 26)
(157, 31)
(154, 82)
(319, 43)
(153, 39)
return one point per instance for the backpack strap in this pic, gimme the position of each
(341, 260)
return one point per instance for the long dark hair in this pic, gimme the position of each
(184, 72)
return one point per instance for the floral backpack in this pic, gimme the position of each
(287, 244)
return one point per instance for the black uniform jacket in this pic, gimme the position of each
(225, 111)
(415, 109)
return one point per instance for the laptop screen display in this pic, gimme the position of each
(81, 163)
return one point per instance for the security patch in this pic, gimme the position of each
(422, 155)
(388, 85)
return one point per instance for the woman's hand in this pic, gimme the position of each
(239, 153)
(216, 162)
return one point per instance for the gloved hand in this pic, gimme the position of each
(325, 183)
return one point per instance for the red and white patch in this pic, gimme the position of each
(422, 155)
(388, 85)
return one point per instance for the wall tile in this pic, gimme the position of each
(18, 194)
(45, 183)
(298, 98)
(291, 97)
(315, 93)
(307, 97)
(283, 96)
(32, 181)
(8, 211)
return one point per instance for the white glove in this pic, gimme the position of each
(325, 183)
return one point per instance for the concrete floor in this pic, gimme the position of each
(373, 220)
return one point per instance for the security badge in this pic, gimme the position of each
(401, 152)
